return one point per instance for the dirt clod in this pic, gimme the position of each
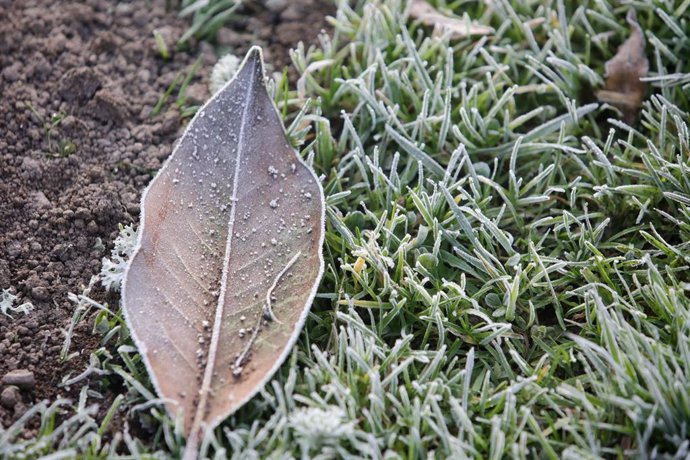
(80, 84)
(10, 396)
(21, 378)
(108, 106)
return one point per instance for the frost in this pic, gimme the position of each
(7, 300)
(223, 71)
(114, 268)
(314, 425)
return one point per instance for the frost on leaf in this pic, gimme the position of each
(624, 88)
(228, 256)
(7, 306)
(113, 269)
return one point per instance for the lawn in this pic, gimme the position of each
(506, 257)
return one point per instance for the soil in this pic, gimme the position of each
(78, 82)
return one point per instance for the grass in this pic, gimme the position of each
(506, 261)
(62, 147)
(207, 16)
(181, 84)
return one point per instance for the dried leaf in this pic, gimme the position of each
(623, 88)
(228, 258)
(458, 28)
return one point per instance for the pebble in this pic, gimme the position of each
(12, 72)
(22, 378)
(40, 293)
(10, 396)
(40, 200)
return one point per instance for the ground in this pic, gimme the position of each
(79, 81)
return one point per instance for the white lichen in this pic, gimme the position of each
(223, 71)
(7, 300)
(314, 426)
(114, 268)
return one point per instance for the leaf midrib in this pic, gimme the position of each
(215, 334)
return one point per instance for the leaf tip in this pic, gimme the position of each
(255, 54)
(254, 62)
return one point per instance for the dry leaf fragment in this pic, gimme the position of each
(624, 88)
(228, 258)
(458, 28)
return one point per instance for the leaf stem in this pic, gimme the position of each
(191, 449)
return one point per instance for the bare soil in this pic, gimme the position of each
(92, 70)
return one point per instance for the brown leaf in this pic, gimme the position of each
(458, 28)
(623, 88)
(228, 259)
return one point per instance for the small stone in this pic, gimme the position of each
(40, 200)
(92, 228)
(78, 85)
(277, 5)
(40, 293)
(10, 396)
(22, 378)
